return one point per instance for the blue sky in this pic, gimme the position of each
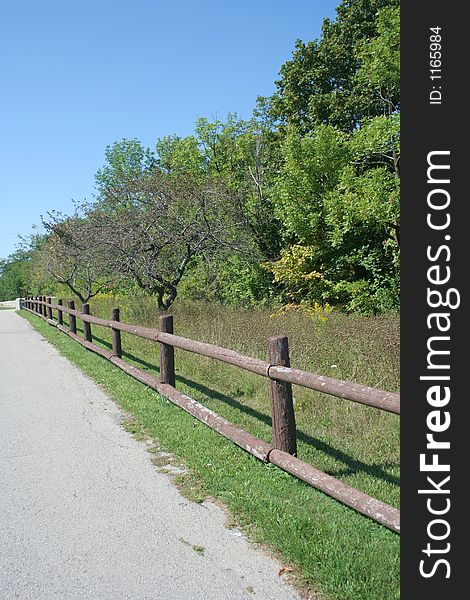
(78, 76)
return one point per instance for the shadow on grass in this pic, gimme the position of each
(353, 465)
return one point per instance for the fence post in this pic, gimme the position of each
(86, 326)
(43, 307)
(49, 309)
(60, 314)
(117, 350)
(167, 353)
(72, 318)
(282, 406)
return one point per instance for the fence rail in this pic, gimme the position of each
(279, 373)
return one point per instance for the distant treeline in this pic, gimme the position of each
(298, 205)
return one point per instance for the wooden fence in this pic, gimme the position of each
(277, 370)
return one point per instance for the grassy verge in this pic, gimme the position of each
(355, 443)
(337, 552)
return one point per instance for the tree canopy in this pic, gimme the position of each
(298, 204)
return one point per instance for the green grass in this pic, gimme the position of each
(336, 551)
(355, 443)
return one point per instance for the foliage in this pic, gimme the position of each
(14, 276)
(379, 69)
(71, 255)
(126, 162)
(178, 155)
(157, 225)
(320, 84)
(337, 191)
(296, 270)
(312, 167)
(338, 198)
(298, 204)
(231, 279)
(239, 153)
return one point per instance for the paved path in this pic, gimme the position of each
(83, 512)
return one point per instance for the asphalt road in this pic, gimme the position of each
(84, 513)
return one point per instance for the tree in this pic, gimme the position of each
(337, 190)
(319, 85)
(242, 155)
(338, 199)
(169, 222)
(379, 70)
(178, 156)
(71, 255)
(14, 275)
(127, 162)
(312, 167)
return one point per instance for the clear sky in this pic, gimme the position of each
(78, 76)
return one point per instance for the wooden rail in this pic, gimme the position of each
(277, 369)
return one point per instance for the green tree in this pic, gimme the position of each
(379, 70)
(338, 199)
(14, 275)
(320, 83)
(337, 190)
(177, 155)
(312, 167)
(126, 163)
(241, 156)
